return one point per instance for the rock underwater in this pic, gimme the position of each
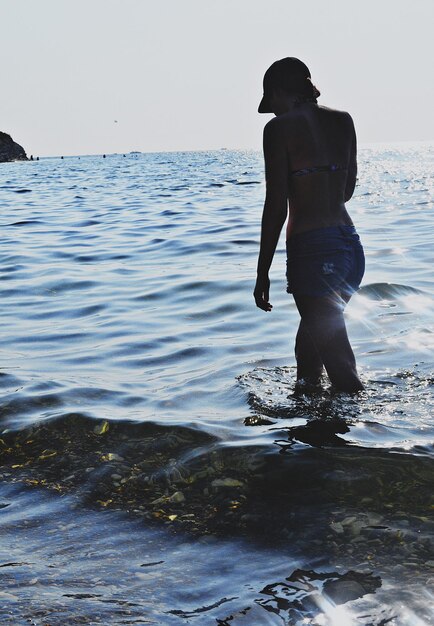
(10, 150)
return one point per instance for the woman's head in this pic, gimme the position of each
(287, 77)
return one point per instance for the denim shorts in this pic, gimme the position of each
(325, 261)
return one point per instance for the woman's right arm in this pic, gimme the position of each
(275, 206)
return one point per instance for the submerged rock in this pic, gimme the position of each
(226, 482)
(177, 497)
(10, 150)
(341, 591)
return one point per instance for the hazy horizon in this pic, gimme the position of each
(365, 145)
(114, 76)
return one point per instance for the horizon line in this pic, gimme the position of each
(362, 145)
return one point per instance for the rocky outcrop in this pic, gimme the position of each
(10, 150)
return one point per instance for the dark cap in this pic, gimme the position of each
(283, 73)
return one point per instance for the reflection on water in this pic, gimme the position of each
(157, 465)
(64, 564)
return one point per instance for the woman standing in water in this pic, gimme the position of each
(310, 171)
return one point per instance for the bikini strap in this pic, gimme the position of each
(318, 168)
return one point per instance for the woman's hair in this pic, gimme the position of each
(301, 87)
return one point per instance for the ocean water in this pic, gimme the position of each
(156, 467)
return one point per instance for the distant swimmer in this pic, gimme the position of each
(310, 171)
(103, 156)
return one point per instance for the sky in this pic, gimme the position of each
(104, 76)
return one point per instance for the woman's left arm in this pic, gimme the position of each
(275, 206)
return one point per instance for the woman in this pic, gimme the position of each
(310, 165)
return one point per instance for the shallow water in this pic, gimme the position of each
(137, 375)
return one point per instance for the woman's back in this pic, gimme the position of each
(321, 150)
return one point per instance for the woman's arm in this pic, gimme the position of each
(352, 165)
(275, 206)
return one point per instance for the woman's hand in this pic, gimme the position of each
(262, 293)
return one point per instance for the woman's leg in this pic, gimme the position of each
(309, 362)
(324, 320)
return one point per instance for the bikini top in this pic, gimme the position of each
(318, 168)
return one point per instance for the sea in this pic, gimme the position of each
(156, 465)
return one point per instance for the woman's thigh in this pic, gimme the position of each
(312, 308)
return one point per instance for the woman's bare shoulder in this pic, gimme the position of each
(295, 121)
(276, 129)
(342, 115)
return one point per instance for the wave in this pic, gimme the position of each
(388, 291)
